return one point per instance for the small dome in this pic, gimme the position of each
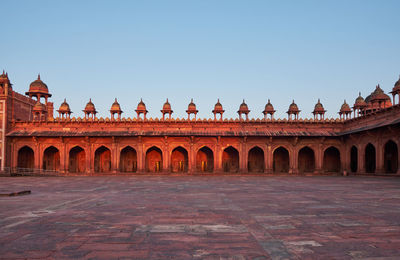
(167, 106)
(243, 108)
(360, 102)
(379, 94)
(141, 106)
(64, 107)
(396, 87)
(269, 108)
(218, 107)
(115, 107)
(345, 108)
(192, 107)
(39, 107)
(90, 108)
(293, 108)
(38, 87)
(319, 108)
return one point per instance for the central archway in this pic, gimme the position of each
(370, 158)
(306, 160)
(102, 159)
(256, 160)
(391, 157)
(26, 158)
(77, 160)
(230, 159)
(51, 159)
(281, 160)
(205, 160)
(128, 160)
(332, 160)
(179, 160)
(154, 159)
(353, 159)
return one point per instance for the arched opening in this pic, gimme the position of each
(51, 159)
(281, 160)
(391, 157)
(205, 160)
(179, 160)
(306, 160)
(77, 160)
(256, 160)
(353, 159)
(128, 160)
(230, 159)
(102, 159)
(154, 159)
(26, 158)
(332, 160)
(370, 158)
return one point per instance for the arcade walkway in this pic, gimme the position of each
(172, 217)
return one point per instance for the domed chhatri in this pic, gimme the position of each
(359, 105)
(166, 109)
(192, 109)
(293, 110)
(377, 100)
(345, 111)
(5, 84)
(38, 89)
(141, 109)
(396, 91)
(269, 110)
(90, 110)
(319, 110)
(243, 109)
(218, 110)
(39, 111)
(64, 110)
(116, 109)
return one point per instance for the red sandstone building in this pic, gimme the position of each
(364, 139)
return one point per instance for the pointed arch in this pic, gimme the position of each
(154, 159)
(306, 160)
(128, 159)
(331, 162)
(179, 160)
(230, 159)
(256, 162)
(77, 160)
(370, 158)
(205, 160)
(102, 159)
(26, 157)
(391, 155)
(51, 159)
(281, 160)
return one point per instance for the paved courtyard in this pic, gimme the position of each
(200, 217)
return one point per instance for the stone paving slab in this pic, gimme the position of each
(201, 217)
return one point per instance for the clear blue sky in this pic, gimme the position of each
(282, 50)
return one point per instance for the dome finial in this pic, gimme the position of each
(115, 99)
(38, 77)
(90, 99)
(218, 100)
(65, 100)
(167, 100)
(3, 72)
(319, 100)
(269, 101)
(191, 100)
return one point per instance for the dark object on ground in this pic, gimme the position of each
(24, 192)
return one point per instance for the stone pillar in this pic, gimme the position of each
(293, 161)
(242, 157)
(361, 158)
(192, 160)
(380, 162)
(218, 156)
(63, 157)
(319, 159)
(141, 156)
(114, 157)
(166, 158)
(37, 155)
(88, 157)
(344, 159)
(268, 159)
